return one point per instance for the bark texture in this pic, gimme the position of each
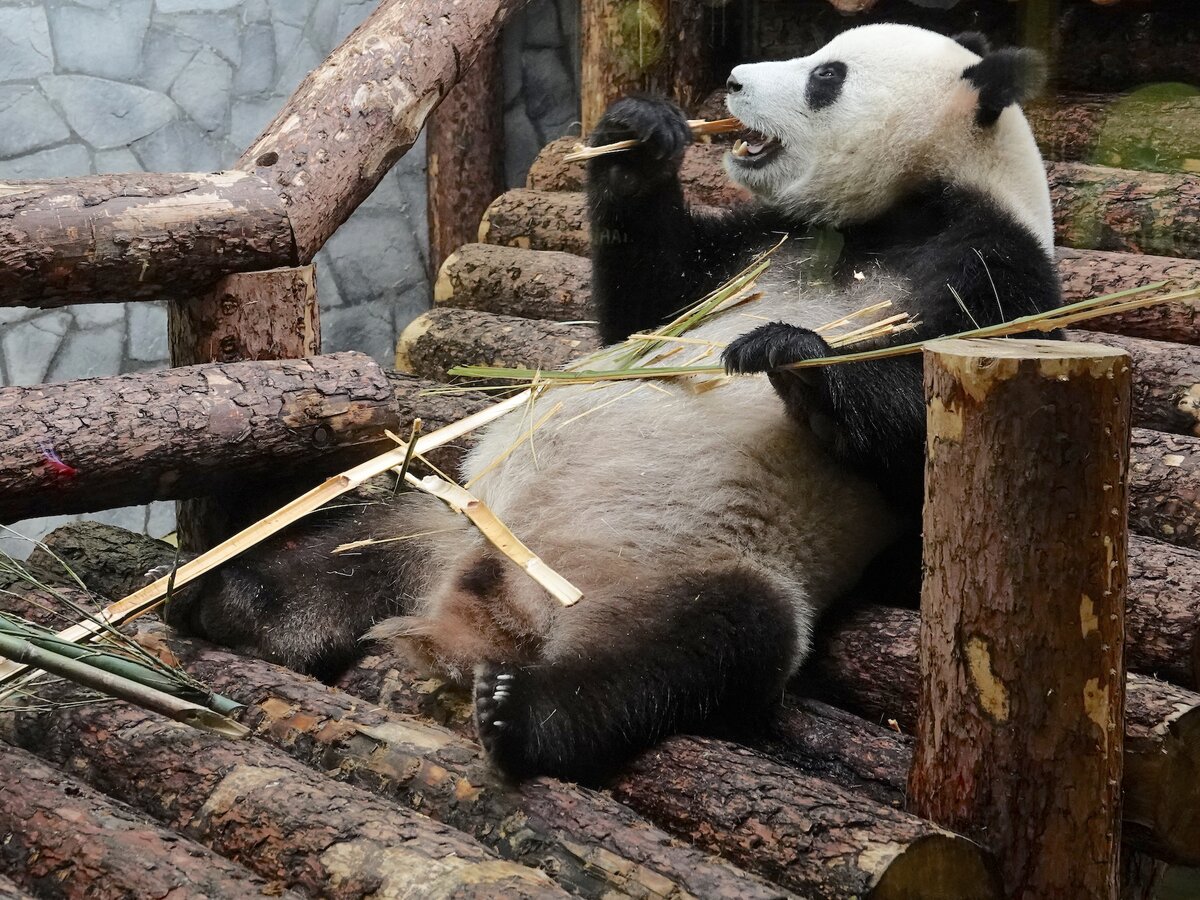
(812, 836)
(464, 152)
(266, 811)
(537, 220)
(1154, 128)
(65, 840)
(111, 238)
(1023, 599)
(1164, 472)
(107, 442)
(513, 282)
(1166, 381)
(1093, 273)
(1116, 209)
(702, 173)
(251, 315)
(10, 891)
(359, 111)
(656, 47)
(444, 338)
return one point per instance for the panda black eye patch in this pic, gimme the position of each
(825, 84)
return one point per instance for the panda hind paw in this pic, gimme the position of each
(501, 718)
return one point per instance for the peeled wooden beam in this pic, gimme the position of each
(1093, 273)
(252, 804)
(1166, 385)
(105, 442)
(442, 338)
(1124, 130)
(1022, 600)
(112, 238)
(363, 107)
(66, 840)
(464, 155)
(869, 663)
(513, 282)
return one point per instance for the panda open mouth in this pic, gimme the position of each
(753, 148)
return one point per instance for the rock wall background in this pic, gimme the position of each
(93, 86)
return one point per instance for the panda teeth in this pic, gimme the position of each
(740, 148)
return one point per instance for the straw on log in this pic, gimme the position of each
(445, 337)
(464, 155)
(64, 839)
(112, 238)
(1024, 600)
(106, 442)
(869, 663)
(557, 286)
(1166, 383)
(512, 282)
(359, 111)
(258, 807)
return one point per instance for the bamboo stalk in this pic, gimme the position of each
(700, 127)
(22, 651)
(151, 596)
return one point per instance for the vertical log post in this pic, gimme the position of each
(464, 154)
(246, 316)
(650, 46)
(1022, 681)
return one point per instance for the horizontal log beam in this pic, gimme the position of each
(60, 833)
(112, 238)
(359, 111)
(105, 442)
(256, 806)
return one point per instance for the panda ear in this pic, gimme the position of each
(973, 41)
(1005, 77)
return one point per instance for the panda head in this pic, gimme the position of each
(841, 135)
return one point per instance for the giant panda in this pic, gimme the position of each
(707, 529)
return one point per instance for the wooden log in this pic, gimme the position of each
(1165, 478)
(869, 663)
(702, 173)
(1117, 48)
(260, 808)
(63, 839)
(363, 107)
(10, 891)
(513, 282)
(442, 338)
(809, 835)
(250, 315)
(104, 442)
(1115, 209)
(1093, 273)
(1023, 598)
(658, 47)
(1125, 130)
(593, 846)
(112, 238)
(537, 220)
(1166, 380)
(464, 154)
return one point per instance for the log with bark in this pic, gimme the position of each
(106, 442)
(464, 155)
(1155, 128)
(359, 111)
(661, 47)
(1024, 600)
(445, 337)
(1165, 480)
(263, 809)
(557, 286)
(112, 238)
(10, 891)
(537, 220)
(64, 839)
(513, 282)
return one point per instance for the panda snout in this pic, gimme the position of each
(732, 84)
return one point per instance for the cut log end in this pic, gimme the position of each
(954, 864)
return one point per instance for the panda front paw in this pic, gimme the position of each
(773, 346)
(501, 719)
(661, 130)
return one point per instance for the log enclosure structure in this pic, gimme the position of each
(921, 761)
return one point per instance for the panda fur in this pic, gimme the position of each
(707, 530)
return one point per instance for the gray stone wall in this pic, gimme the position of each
(94, 86)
